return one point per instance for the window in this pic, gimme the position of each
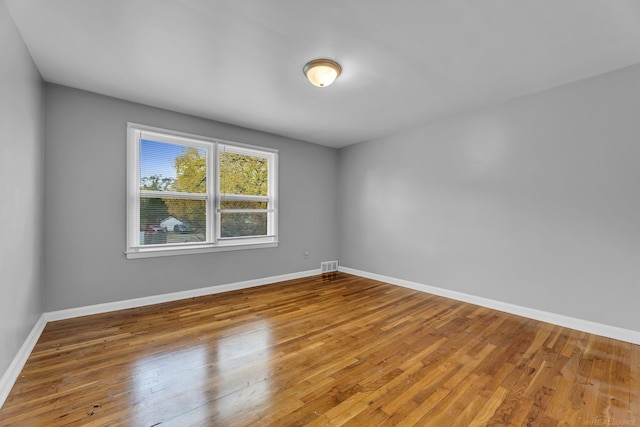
(192, 194)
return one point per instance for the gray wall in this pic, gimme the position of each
(85, 206)
(534, 202)
(21, 162)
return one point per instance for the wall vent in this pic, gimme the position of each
(329, 266)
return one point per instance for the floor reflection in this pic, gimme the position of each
(243, 370)
(170, 384)
(212, 381)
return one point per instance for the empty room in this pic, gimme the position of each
(288, 213)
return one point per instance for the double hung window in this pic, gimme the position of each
(190, 194)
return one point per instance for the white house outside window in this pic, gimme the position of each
(191, 194)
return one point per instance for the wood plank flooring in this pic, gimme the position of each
(326, 350)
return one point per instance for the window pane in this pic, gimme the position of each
(174, 202)
(244, 174)
(242, 204)
(172, 167)
(243, 224)
(172, 221)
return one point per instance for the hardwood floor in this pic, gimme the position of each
(326, 350)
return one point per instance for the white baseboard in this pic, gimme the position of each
(615, 332)
(11, 374)
(175, 296)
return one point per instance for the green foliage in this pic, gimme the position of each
(153, 210)
(156, 183)
(191, 177)
(242, 174)
(243, 224)
(239, 174)
(191, 172)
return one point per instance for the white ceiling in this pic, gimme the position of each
(404, 62)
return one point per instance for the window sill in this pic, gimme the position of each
(172, 251)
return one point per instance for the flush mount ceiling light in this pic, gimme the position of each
(322, 72)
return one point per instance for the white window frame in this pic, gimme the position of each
(214, 242)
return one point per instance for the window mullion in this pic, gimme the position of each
(214, 190)
(273, 196)
(133, 201)
(244, 197)
(246, 210)
(172, 195)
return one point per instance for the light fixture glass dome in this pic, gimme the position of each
(322, 72)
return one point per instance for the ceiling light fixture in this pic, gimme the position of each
(322, 72)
